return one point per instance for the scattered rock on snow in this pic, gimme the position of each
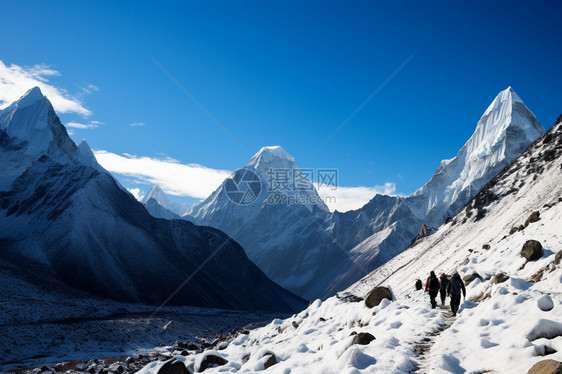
(173, 367)
(363, 338)
(557, 257)
(545, 303)
(209, 361)
(534, 217)
(470, 277)
(486, 246)
(513, 230)
(532, 250)
(272, 360)
(546, 367)
(500, 278)
(377, 295)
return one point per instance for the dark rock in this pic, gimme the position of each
(377, 295)
(486, 246)
(129, 360)
(546, 367)
(500, 278)
(557, 257)
(470, 277)
(521, 227)
(173, 367)
(193, 347)
(44, 368)
(245, 359)
(532, 250)
(295, 325)
(534, 217)
(272, 360)
(350, 298)
(513, 230)
(363, 338)
(322, 319)
(210, 361)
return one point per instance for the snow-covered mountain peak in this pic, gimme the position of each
(506, 129)
(271, 157)
(86, 156)
(507, 113)
(30, 97)
(157, 194)
(32, 119)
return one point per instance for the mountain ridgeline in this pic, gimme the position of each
(315, 253)
(61, 211)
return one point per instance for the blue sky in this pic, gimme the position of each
(289, 73)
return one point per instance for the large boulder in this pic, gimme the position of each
(532, 250)
(546, 367)
(209, 361)
(377, 295)
(363, 338)
(534, 217)
(500, 278)
(272, 360)
(470, 277)
(173, 367)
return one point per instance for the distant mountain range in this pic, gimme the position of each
(63, 213)
(315, 253)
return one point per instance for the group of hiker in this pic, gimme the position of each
(443, 286)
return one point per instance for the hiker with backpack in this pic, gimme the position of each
(443, 288)
(456, 285)
(432, 285)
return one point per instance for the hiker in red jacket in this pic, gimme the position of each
(432, 285)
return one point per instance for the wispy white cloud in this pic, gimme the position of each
(350, 198)
(174, 177)
(82, 126)
(17, 80)
(137, 124)
(136, 192)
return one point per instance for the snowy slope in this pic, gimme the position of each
(71, 216)
(160, 206)
(515, 324)
(315, 253)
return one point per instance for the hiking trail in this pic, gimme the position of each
(422, 349)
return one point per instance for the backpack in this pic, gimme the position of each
(444, 284)
(455, 286)
(433, 283)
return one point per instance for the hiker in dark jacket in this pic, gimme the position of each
(456, 285)
(419, 285)
(443, 289)
(432, 285)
